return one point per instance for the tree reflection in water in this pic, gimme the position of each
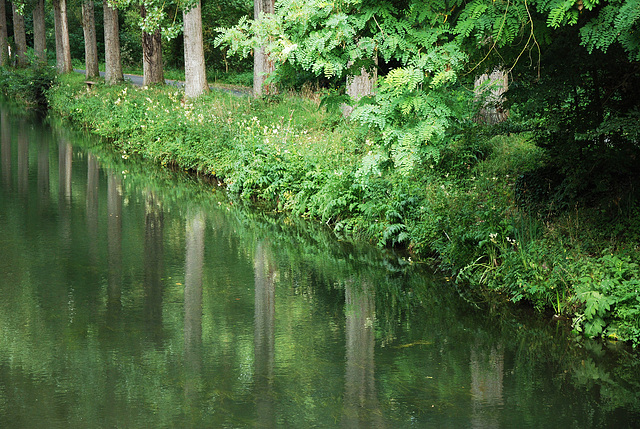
(194, 261)
(361, 407)
(265, 273)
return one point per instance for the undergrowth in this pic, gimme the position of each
(485, 211)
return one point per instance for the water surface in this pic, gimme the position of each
(133, 297)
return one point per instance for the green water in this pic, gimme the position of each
(136, 298)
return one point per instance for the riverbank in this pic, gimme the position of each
(471, 212)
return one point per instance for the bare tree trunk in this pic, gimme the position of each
(112, 61)
(39, 32)
(491, 88)
(19, 37)
(262, 66)
(63, 47)
(90, 44)
(194, 67)
(151, 54)
(360, 86)
(4, 38)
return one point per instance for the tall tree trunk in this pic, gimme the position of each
(90, 44)
(262, 67)
(39, 32)
(194, 68)
(112, 60)
(63, 47)
(19, 37)
(4, 38)
(151, 54)
(360, 86)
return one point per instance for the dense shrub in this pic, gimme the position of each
(28, 85)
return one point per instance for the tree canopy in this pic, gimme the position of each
(430, 53)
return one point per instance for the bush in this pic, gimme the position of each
(29, 85)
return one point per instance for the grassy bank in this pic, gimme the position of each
(478, 211)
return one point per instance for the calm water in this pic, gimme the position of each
(131, 297)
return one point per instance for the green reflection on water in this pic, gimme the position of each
(135, 297)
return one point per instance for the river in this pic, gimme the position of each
(136, 297)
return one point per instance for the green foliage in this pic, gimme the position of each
(607, 293)
(28, 85)
(287, 155)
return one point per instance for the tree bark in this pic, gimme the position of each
(360, 86)
(112, 60)
(262, 66)
(19, 37)
(194, 67)
(63, 47)
(39, 32)
(4, 37)
(90, 44)
(151, 54)
(491, 88)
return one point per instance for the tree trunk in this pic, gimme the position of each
(360, 86)
(262, 67)
(4, 38)
(90, 45)
(63, 47)
(194, 68)
(112, 61)
(151, 54)
(39, 32)
(19, 37)
(490, 88)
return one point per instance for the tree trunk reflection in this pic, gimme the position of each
(92, 206)
(487, 373)
(265, 272)
(43, 173)
(65, 158)
(153, 266)
(361, 407)
(23, 160)
(194, 262)
(114, 247)
(5, 148)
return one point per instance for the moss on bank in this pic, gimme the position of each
(466, 211)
